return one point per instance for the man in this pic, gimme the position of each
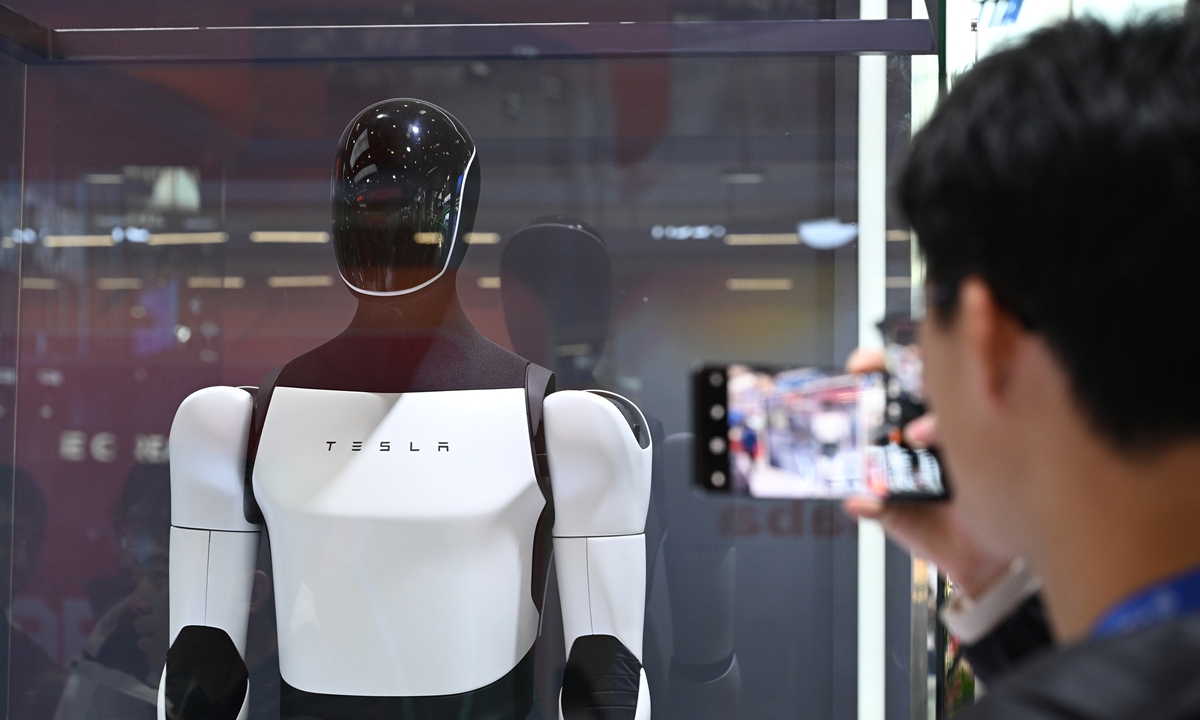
(1056, 194)
(995, 612)
(29, 678)
(130, 639)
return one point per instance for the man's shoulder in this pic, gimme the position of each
(1147, 674)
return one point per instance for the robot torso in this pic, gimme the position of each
(402, 532)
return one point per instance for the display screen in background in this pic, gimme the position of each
(804, 433)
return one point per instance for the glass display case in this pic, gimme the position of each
(165, 204)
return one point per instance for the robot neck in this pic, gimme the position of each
(433, 310)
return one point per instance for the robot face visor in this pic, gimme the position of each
(396, 231)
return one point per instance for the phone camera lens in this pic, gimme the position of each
(894, 411)
(716, 446)
(716, 412)
(718, 478)
(716, 379)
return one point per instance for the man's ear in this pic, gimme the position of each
(992, 335)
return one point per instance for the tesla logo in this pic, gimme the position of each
(384, 446)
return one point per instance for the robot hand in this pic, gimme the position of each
(598, 447)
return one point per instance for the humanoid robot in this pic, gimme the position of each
(413, 477)
(556, 288)
(556, 293)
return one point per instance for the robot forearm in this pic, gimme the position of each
(213, 553)
(602, 583)
(599, 455)
(212, 573)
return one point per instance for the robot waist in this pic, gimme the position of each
(509, 698)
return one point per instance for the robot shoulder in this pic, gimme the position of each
(208, 459)
(599, 451)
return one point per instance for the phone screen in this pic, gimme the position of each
(806, 433)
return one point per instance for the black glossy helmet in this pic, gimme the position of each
(405, 190)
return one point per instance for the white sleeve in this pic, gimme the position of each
(972, 619)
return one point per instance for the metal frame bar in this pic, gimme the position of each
(449, 41)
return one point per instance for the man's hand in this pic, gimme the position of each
(933, 531)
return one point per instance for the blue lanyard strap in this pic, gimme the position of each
(1157, 603)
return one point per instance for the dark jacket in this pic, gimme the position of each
(1148, 674)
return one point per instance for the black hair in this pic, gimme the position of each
(145, 497)
(18, 488)
(1065, 173)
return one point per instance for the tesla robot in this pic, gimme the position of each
(414, 478)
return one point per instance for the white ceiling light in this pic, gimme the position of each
(288, 236)
(299, 281)
(826, 234)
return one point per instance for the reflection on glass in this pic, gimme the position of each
(35, 680)
(176, 234)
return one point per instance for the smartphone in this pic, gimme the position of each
(809, 433)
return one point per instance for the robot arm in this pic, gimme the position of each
(598, 447)
(213, 553)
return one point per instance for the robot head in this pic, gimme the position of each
(556, 287)
(405, 188)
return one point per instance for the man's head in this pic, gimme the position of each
(21, 532)
(1056, 194)
(142, 527)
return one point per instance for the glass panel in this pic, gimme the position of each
(30, 678)
(179, 226)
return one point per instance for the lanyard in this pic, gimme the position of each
(1157, 603)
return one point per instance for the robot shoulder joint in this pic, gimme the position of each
(208, 459)
(599, 451)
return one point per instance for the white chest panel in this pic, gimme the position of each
(402, 563)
